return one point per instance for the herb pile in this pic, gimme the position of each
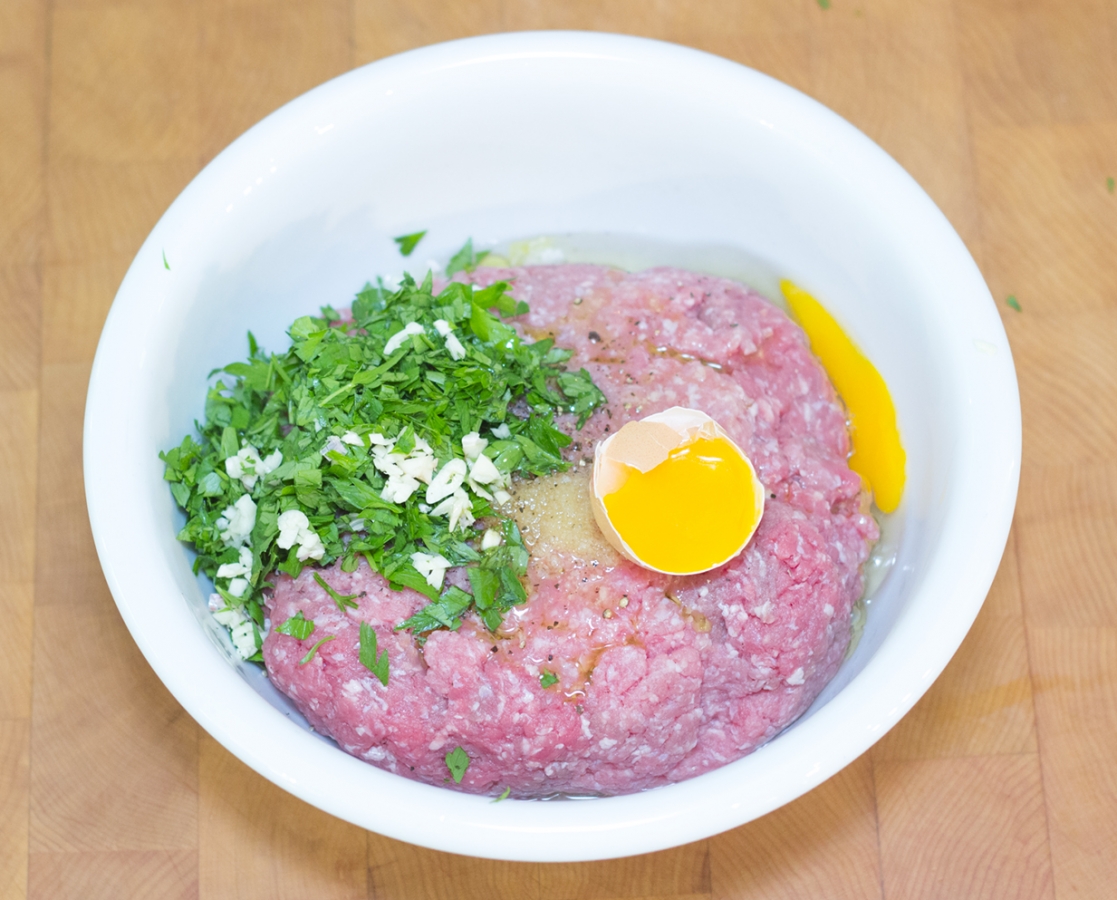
(332, 451)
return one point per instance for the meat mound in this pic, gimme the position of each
(659, 678)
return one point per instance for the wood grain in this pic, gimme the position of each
(1076, 701)
(122, 875)
(992, 836)
(1038, 63)
(117, 91)
(256, 55)
(15, 762)
(911, 48)
(1001, 782)
(399, 871)
(982, 703)
(22, 107)
(23, 111)
(823, 845)
(682, 872)
(257, 841)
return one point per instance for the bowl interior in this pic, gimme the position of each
(692, 159)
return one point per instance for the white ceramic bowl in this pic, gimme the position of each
(554, 133)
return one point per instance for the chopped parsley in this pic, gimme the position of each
(408, 242)
(503, 795)
(310, 653)
(1110, 185)
(546, 678)
(445, 612)
(381, 437)
(298, 626)
(457, 761)
(378, 665)
(342, 602)
(167, 265)
(1013, 302)
(465, 260)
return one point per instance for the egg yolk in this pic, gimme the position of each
(689, 513)
(878, 456)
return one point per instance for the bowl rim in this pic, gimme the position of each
(891, 682)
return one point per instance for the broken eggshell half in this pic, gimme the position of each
(643, 445)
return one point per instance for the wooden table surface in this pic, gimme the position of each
(1002, 782)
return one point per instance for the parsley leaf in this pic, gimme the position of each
(465, 260)
(457, 761)
(342, 602)
(445, 612)
(310, 653)
(297, 626)
(378, 665)
(407, 242)
(546, 679)
(1013, 302)
(503, 795)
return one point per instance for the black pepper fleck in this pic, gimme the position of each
(595, 337)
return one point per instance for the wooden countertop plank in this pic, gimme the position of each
(22, 134)
(679, 872)
(120, 874)
(114, 810)
(1048, 216)
(117, 88)
(22, 97)
(1001, 781)
(1043, 106)
(895, 72)
(256, 55)
(989, 834)
(15, 765)
(825, 844)
(19, 339)
(384, 27)
(19, 428)
(399, 871)
(66, 566)
(1076, 701)
(257, 841)
(1038, 63)
(980, 705)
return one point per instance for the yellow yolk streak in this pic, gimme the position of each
(691, 512)
(878, 456)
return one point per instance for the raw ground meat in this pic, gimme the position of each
(660, 678)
